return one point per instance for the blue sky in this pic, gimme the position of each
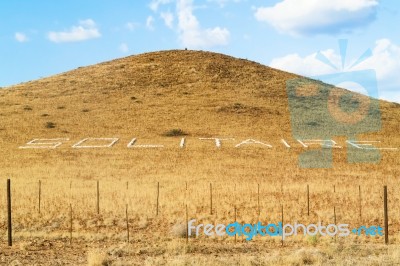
(42, 38)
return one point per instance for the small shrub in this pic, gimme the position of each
(175, 133)
(15, 263)
(98, 258)
(44, 115)
(50, 125)
(85, 110)
(28, 108)
(60, 107)
(313, 124)
(179, 230)
(238, 106)
(313, 240)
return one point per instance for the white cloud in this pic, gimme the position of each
(150, 22)
(156, 3)
(168, 18)
(86, 30)
(131, 26)
(307, 66)
(222, 3)
(123, 47)
(21, 37)
(308, 17)
(385, 60)
(190, 32)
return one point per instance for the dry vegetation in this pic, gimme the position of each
(159, 98)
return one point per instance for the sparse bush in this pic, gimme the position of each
(98, 258)
(28, 108)
(306, 257)
(119, 251)
(44, 115)
(175, 133)
(238, 105)
(60, 107)
(85, 110)
(313, 240)
(15, 263)
(179, 230)
(143, 223)
(50, 125)
(238, 108)
(313, 124)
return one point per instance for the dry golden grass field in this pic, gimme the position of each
(205, 95)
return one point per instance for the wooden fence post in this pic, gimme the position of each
(334, 218)
(40, 193)
(211, 202)
(235, 221)
(127, 221)
(70, 224)
(98, 197)
(308, 200)
(282, 222)
(187, 225)
(385, 210)
(9, 222)
(158, 197)
(258, 201)
(360, 202)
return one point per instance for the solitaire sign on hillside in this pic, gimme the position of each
(319, 113)
(96, 143)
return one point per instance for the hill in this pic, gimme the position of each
(204, 93)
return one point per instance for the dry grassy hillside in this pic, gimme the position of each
(149, 94)
(205, 95)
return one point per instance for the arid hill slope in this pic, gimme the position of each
(200, 92)
(144, 96)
